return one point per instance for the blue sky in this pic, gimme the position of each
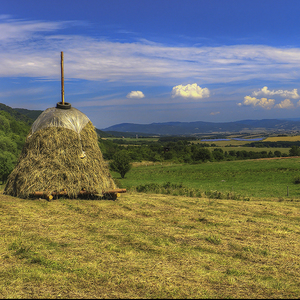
(139, 61)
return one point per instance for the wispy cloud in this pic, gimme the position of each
(16, 30)
(25, 92)
(32, 49)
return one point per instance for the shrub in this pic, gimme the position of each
(297, 180)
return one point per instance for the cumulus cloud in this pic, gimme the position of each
(286, 103)
(263, 102)
(283, 93)
(135, 94)
(190, 91)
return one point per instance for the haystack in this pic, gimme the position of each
(61, 153)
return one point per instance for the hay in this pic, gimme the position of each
(50, 161)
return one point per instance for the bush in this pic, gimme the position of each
(297, 180)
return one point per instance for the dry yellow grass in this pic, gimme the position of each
(149, 246)
(283, 138)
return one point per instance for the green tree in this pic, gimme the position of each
(121, 163)
(202, 154)
(4, 124)
(277, 153)
(218, 154)
(294, 151)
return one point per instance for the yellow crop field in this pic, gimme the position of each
(283, 138)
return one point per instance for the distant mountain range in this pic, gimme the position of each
(195, 128)
(175, 128)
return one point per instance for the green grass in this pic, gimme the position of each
(149, 246)
(248, 178)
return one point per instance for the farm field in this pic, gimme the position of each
(283, 138)
(223, 143)
(258, 178)
(255, 149)
(229, 145)
(149, 246)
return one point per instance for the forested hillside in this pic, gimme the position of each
(20, 114)
(13, 131)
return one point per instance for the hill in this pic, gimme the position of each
(13, 130)
(32, 114)
(20, 114)
(194, 128)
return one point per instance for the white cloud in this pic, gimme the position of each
(135, 94)
(32, 49)
(286, 103)
(214, 113)
(283, 93)
(263, 102)
(21, 30)
(190, 91)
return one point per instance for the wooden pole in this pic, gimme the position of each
(62, 79)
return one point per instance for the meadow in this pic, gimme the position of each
(257, 178)
(149, 246)
(237, 238)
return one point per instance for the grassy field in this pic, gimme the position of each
(149, 246)
(250, 178)
(181, 244)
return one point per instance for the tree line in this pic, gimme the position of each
(179, 151)
(184, 151)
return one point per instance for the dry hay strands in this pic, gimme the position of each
(52, 160)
